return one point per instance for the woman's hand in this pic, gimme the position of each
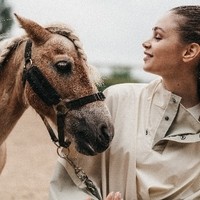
(114, 196)
(111, 196)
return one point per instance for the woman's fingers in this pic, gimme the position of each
(114, 196)
(111, 196)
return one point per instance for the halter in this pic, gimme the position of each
(47, 93)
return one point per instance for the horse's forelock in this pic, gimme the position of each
(69, 33)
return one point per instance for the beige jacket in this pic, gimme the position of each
(154, 154)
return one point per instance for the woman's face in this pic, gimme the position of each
(164, 50)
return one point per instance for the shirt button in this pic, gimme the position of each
(166, 118)
(183, 137)
(174, 100)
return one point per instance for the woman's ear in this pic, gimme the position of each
(191, 52)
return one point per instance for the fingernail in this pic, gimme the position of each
(118, 195)
(111, 194)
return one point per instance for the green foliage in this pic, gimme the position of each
(6, 20)
(119, 74)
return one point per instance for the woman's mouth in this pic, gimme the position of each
(147, 56)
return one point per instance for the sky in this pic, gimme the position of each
(112, 31)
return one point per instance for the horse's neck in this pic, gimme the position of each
(12, 104)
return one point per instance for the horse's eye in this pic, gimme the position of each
(63, 67)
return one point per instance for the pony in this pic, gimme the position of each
(47, 69)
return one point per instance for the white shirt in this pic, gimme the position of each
(154, 154)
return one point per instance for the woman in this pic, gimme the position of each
(155, 151)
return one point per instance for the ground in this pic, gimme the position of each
(31, 158)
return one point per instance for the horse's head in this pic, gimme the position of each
(57, 72)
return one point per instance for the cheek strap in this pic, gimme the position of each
(41, 86)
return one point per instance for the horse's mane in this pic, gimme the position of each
(7, 47)
(60, 29)
(67, 32)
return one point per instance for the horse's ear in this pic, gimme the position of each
(36, 32)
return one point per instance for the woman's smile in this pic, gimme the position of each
(147, 57)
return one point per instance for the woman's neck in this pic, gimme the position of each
(185, 88)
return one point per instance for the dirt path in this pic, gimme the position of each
(31, 157)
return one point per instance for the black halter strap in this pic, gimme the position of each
(75, 104)
(37, 80)
(27, 52)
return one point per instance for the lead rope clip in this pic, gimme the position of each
(82, 176)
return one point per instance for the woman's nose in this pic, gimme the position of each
(146, 44)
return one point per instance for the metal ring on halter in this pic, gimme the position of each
(62, 155)
(66, 157)
(28, 61)
(58, 145)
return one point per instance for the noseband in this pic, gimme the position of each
(47, 93)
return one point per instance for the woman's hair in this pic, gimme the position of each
(189, 27)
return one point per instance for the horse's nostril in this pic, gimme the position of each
(104, 133)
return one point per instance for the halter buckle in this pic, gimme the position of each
(61, 108)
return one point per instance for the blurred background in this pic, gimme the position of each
(112, 31)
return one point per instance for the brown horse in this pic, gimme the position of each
(47, 69)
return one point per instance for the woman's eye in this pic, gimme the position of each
(63, 67)
(157, 37)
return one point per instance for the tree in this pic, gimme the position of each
(6, 20)
(119, 74)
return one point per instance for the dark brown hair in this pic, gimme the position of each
(189, 28)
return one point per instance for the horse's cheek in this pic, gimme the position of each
(40, 107)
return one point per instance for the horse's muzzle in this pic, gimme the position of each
(90, 143)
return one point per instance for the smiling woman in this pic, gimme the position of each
(165, 43)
